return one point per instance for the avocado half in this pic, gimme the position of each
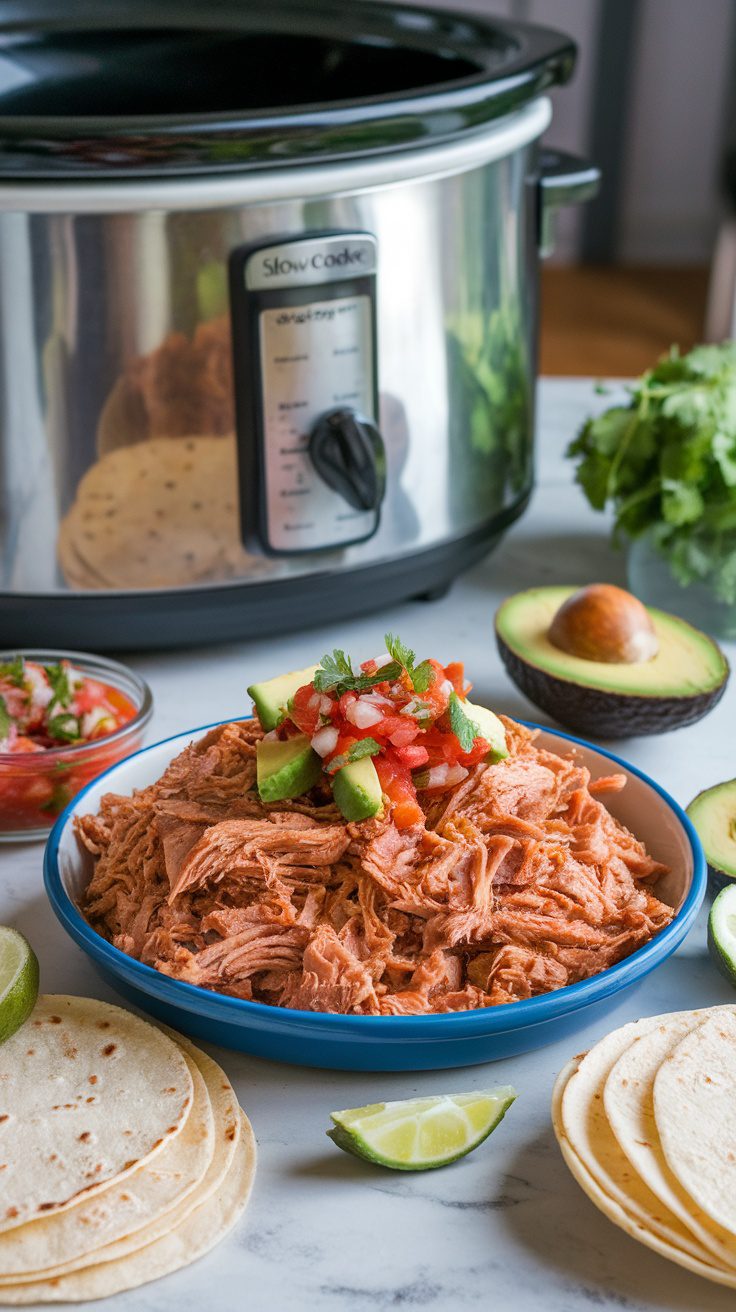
(713, 813)
(677, 686)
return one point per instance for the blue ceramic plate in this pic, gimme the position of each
(384, 1042)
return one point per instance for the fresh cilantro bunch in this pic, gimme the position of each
(666, 462)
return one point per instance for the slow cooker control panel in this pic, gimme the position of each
(312, 464)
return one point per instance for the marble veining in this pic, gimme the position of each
(508, 1227)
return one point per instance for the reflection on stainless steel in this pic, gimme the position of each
(125, 362)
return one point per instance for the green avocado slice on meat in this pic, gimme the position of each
(680, 684)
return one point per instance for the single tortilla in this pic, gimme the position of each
(67, 1239)
(628, 1103)
(88, 1092)
(695, 1114)
(195, 1236)
(619, 1215)
(587, 1130)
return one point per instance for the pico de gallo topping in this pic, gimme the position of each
(49, 706)
(412, 718)
(56, 724)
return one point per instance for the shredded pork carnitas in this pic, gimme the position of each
(521, 882)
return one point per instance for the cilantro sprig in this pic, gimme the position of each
(65, 727)
(666, 463)
(336, 673)
(465, 730)
(60, 685)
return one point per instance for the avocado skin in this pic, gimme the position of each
(720, 961)
(600, 713)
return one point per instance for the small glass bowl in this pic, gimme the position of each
(35, 787)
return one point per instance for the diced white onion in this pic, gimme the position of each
(411, 707)
(40, 688)
(92, 720)
(444, 776)
(325, 705)
(467, 685)
(383, 659)
(325, 740)
(446, 687)
(271, 737)
(363, 714)
(315, 701)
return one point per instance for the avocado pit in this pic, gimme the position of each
(604, 623)
(598, 661)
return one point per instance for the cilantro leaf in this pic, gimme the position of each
(404, 656)
(423, 677)
(464, 729)
(65, 727)
(333, 670)
(60, 797)
(365, 747)
(60, 686)
(335, 674)
(6, 720)
(14, 671)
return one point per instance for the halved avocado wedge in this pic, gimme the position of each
(357, 790)
(270, 697)
(286, 769)
(713, 812)
(609, 698)
(722, 932)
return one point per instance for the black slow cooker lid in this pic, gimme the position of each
(105, 88)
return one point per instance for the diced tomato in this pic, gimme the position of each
(368, 667)
(437, 696)
(90, 695)
(455, 672)
(305, 709)
(391, 724)
(412, 757)
(23, 744)
(398, 786)
(478, 753)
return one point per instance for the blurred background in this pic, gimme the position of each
(653, 102)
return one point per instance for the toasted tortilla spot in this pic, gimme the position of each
(54, 1020)
(92, 1079)
(108, 1049)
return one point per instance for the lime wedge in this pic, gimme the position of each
(18, 981)
(421, 1133)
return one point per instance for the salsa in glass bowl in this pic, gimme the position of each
(65, 716)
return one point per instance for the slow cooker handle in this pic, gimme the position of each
(563, 180)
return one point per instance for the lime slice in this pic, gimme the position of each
(722, 932)
(421, 1133)
(18, 981)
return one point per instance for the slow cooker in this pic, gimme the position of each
(268, 308)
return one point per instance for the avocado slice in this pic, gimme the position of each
(722, 932)
(357, 790)
(490, 728)
(713, 812)
(286, 769)
(271, 696)
(677, 686)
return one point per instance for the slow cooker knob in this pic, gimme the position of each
(348, 453)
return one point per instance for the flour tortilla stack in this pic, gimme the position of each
(139, 1218)
(647, 1124)
(161, 513)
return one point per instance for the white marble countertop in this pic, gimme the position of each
(507, 1227)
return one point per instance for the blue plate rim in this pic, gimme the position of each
(528, 1012)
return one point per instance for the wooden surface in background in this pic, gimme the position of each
(609, 322)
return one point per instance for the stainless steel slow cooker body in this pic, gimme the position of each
(252, 398)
